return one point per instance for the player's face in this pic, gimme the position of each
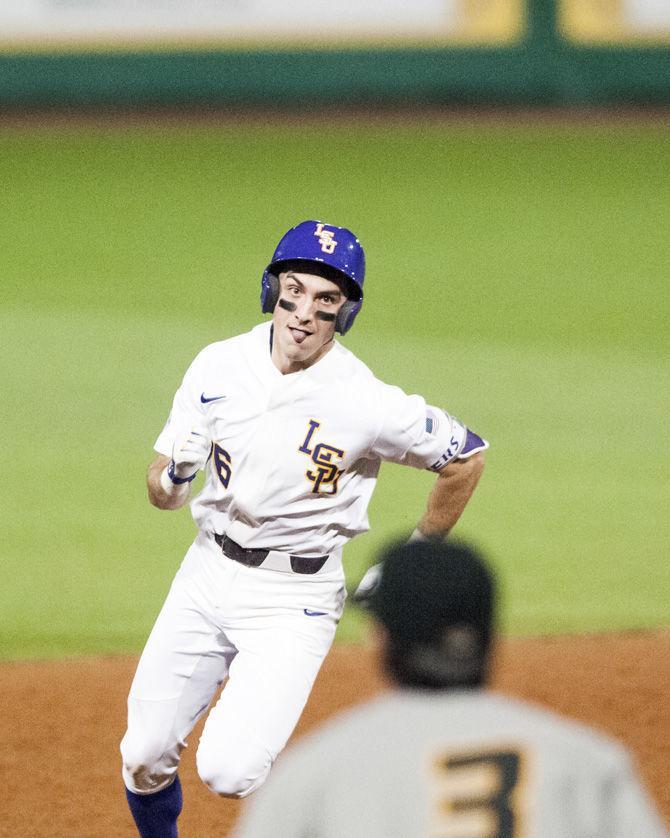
(304, 320)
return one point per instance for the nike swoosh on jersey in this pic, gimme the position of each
(204, 399)
(314, 613)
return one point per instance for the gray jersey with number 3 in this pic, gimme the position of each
(452, 765)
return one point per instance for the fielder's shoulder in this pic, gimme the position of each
(573, 735)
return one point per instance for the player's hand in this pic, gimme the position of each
(367, 586)
(189, 454)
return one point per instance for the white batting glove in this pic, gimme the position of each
(190, 452)
(368, 585)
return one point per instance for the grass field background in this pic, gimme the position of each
(517, 275)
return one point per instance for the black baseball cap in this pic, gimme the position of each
(436, 601)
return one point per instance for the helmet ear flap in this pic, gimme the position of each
(346, 315)
(269, 292)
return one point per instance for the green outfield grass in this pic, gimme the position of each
(516, 276)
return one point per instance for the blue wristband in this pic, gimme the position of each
(178, 480)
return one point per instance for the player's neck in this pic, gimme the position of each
(287, 365)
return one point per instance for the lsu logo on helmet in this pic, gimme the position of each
(326, 239)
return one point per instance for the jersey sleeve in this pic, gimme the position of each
(186, 406)
(420, 435)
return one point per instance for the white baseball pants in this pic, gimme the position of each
(266, 631)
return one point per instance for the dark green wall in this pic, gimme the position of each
(543, 69)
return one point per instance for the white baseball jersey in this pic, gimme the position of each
(452, 765)
(295, 457)
(293, 464)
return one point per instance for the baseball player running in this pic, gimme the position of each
(439, 756)
(290, 429)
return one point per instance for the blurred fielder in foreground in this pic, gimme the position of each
(441, 757)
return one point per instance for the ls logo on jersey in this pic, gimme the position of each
(325, 457)
(326, 240)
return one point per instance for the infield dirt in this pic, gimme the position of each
(62, 722)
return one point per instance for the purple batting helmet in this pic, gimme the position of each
(335, 250)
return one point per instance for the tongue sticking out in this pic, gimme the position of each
(298, 335)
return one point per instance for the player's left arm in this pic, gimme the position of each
(447, 447)
(447, 499)
(426, 437)
(450, 494)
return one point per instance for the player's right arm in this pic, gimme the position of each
(165, 497)
(169, 478)
(186, 435)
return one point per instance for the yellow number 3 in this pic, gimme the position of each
(474, 795)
